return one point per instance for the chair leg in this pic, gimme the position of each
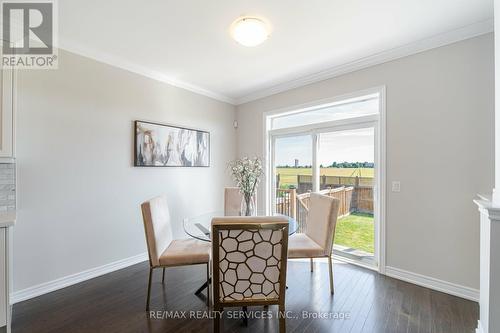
(163, 276)
(330, 266)
(245, 316)
(312, 265)
(149, 287)
(217, 320)
(208, 284)
(281, 316)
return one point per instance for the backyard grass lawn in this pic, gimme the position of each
(356, 231)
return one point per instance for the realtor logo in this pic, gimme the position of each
(28, 35)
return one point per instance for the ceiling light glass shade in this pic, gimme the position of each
(249, 31)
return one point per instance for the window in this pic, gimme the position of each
(368, 105)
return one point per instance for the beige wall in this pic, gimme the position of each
(78, 193)
(439, 145)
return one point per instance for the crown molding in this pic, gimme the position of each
(119, 62)
(436, 41)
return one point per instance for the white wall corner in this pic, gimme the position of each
(66, 281)
(433, 283)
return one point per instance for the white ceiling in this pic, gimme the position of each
(187, 42)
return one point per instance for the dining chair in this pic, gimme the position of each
(163, 250)
(317, 241)
(232, 201)
(249, 257)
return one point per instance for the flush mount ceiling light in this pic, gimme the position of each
(250, 31)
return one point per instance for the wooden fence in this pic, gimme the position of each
(304, 182)
(362, 195)
(363, 199)
(288, 202)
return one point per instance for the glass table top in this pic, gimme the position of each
(199, 226)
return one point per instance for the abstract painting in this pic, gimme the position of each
(158, 145)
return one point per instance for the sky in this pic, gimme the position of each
(342, 146)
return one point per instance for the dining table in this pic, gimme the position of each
(200, 226)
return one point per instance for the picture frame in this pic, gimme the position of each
(162, 145)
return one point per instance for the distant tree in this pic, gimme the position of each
(345, 164)
(353, 165)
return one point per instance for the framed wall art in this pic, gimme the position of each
(159, 145)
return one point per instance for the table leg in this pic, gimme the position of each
(203, 286)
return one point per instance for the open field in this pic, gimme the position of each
(288, 176)
(356, 231)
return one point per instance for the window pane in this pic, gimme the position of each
(365, 107)
(346, 161)
(293, 161)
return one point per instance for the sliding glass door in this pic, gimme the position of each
(340, 158)
(337, 162)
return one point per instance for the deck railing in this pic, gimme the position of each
(286, 202)
(289, 203)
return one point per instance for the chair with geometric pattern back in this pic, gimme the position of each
(249, 256)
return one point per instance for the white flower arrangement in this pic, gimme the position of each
(246, 173)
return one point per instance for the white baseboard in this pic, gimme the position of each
(418, 279)
(433, 283)
(69, 280)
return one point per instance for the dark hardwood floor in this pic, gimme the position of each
(368, 301)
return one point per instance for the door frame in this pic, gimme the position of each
(378, 122)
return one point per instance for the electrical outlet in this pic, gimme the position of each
(396, 186)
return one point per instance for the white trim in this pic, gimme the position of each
(479, 328)
(323, 102)
(380, 235)
(360, 263)
(336, 101)
(270, 189)
(70, 280)
(487, 208)
(324, 127)
(315, 165)
(119, 62)
(433, 283)
(433, 42)
(268, 154)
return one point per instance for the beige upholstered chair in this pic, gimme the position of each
(164, 251)
(249, 263)
(317, 241)
(232, 201)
